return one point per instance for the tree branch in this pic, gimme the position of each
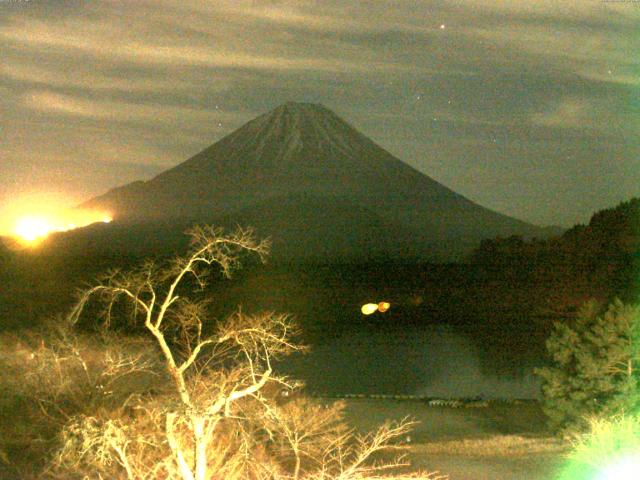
(194, 355)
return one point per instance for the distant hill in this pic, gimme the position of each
(318, 187)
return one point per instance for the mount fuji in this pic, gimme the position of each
(319, 188)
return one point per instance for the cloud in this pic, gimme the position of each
(280, 36)
(90, 78)
(55, 103)
(292, 14)
(118, 42)
(587, 114)
(614, 76)
(570, 112)
(596, 48)
(610, 12)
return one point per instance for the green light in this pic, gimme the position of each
(611, 451)
(626, 468)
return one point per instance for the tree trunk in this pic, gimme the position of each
(201, 441)
(183, 467)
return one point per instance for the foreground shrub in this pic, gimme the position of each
(48, 377)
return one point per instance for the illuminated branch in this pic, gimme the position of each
(194, 355)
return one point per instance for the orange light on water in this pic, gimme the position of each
(369, 308)
(383, 306)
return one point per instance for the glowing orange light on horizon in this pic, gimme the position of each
(32, 229)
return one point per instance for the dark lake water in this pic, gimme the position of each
(431, 361)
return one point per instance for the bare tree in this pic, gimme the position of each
(220, 417)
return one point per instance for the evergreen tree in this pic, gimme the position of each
(595, 368)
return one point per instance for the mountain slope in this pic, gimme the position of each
(304, 151)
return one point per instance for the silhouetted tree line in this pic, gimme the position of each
(601, 259)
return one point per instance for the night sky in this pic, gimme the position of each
(528, 107)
